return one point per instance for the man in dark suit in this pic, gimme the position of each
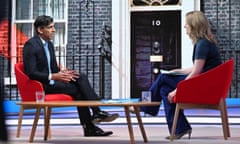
(40, 64)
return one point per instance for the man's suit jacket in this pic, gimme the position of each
(35, 60)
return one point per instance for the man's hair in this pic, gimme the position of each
(42, 21)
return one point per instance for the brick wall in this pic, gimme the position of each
(224, 15)
(3, 36)
(225, 18)
(84, 30)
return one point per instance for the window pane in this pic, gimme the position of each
(59, 43)
(59, 34)
(23, 32)
(25, 29)
(23, 9)
(57, 9)
(40, 7)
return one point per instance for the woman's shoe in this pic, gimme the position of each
(178, 136)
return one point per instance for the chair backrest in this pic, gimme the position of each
(26, 86)
(208, 87)
(227, 70)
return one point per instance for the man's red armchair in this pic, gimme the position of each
(206, 91)
(27, 89)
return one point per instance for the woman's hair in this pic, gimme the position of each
(199, 27)
(42, 21)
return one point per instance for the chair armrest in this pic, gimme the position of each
(208, 87)
(200, 89)
(29, 89)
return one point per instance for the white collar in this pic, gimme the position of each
(43, 41)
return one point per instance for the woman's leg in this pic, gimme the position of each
(153, 110)
(169, 108)
(162, 79)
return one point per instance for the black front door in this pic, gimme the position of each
(153, 33)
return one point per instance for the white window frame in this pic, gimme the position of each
(56, 43)
(13, 45)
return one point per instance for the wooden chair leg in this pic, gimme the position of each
(226, 119)
(35, 122)
(20, 121)
(175, 122)
(225, 124)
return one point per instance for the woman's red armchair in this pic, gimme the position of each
(208, 91)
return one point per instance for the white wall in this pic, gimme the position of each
(120, 49)
(187, 46)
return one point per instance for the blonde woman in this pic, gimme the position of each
(205, 57)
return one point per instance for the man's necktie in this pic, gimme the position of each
(48, 60)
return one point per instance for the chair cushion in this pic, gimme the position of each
(58, 97)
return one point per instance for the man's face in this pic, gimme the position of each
(47, 32)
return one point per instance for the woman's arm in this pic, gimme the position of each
(197, 68)
(193, 71)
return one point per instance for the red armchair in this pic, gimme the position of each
(27, 89)
(206, 91)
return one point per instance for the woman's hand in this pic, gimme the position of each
(171, 95)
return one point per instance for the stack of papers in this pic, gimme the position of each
(120, 100)
(171, 72)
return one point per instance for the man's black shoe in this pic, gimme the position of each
(103, 116)
(96, 131)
